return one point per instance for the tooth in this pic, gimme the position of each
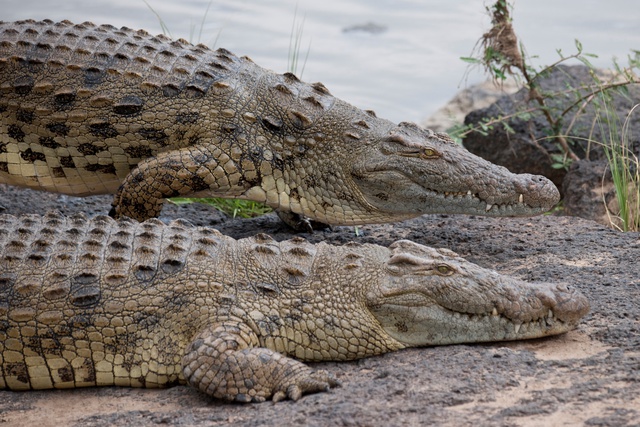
(550, 316)
(494, 312)
(469, 193)
(521, 198)
(518, 327)
(488, 208)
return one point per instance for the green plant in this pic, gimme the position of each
(163, 25)
(192, 29)
(501, 54)
(235, 208)
(204, 17)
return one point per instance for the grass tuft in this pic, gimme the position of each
(163, 25)
(625, 171)
(294, 45)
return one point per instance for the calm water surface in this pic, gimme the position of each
(405, 71)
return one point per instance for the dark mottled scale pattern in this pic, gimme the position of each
(120, 74)
(100, 286)
(69, 274)
(92, 109)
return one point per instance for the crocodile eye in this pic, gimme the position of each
(423, 153)
(444, 270)
(429, 153)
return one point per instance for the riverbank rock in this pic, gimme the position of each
(589, 376)
(583, 197)
(529, 149)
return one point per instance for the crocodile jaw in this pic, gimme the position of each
(418, 198)
(414, 171)
(437, 325)
(433, 297)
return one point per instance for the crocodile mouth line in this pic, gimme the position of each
(463, 196)
(469, 195)
(519, 327)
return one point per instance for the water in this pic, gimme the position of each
(405, 72)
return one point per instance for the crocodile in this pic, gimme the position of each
(87, 109)
(97, 302)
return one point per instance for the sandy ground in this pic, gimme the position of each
(590, 376)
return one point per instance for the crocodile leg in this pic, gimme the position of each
(226, 361)
(184, 172)
(175, 173)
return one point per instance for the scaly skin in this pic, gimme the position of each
(99, 302)
(88, 109)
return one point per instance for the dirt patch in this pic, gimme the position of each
(574, 345)
(590, 376)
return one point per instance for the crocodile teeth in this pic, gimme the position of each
(521, 198)
(550, 315)
(488, 208)
(469, 193)
(517, 327)
(494, 312)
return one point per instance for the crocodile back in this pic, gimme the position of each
(82, 104)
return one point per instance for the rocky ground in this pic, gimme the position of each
(590, 376)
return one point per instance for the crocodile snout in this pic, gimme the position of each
(537, 191)
(563, 302)
(569, 304)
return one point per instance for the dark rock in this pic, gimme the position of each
(583, 196)
(529, 149)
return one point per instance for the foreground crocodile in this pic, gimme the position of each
(88, 109)
(106, 302)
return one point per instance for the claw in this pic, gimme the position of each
(279, 396)
(294, 392)
(312, 383)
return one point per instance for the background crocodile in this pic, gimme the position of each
(88, 109)
(99, 302)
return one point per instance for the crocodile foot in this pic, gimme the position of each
(227, 362)
(301, 223)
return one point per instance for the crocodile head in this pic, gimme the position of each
(413, 171)
(432, 296)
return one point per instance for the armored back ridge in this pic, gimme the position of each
(105, 302)
(88, 109)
